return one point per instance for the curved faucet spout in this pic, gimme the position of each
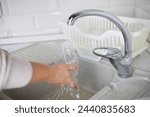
(110, 17)
(126, 58)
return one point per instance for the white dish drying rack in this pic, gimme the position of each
(91, 32)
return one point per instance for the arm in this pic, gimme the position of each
(54, 74)
(15, 73)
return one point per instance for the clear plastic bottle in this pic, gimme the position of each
(71, 57)
(67, 54)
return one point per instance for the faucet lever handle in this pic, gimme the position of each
(108, 52)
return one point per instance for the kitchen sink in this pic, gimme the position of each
(135, 87)
(97, 80)
(92, 77)
(127, 89)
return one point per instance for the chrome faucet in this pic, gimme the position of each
(122, 62)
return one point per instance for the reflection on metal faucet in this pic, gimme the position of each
(121, 62)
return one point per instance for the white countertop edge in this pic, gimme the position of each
(31, 39)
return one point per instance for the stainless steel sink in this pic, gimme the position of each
(129, 89)
(92, 78)
(136, 87)
(97, 80)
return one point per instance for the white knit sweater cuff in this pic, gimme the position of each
(20, 73)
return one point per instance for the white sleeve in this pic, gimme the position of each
(14, 72)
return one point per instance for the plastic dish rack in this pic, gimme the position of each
(91, 32)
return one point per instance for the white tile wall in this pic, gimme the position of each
(5, 8)
(3, 27)
(47, 20)
(27, 15)
(141, 13)
(142, 3)
(115, 3)
(1, 11)
(66, 5)
(19, 7)
(143, 9)
(121, 11)
(19, 23)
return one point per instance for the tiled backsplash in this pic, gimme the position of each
(143, 9)
(31, 15)
(19, 7)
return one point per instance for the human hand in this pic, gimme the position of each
(58, 75)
